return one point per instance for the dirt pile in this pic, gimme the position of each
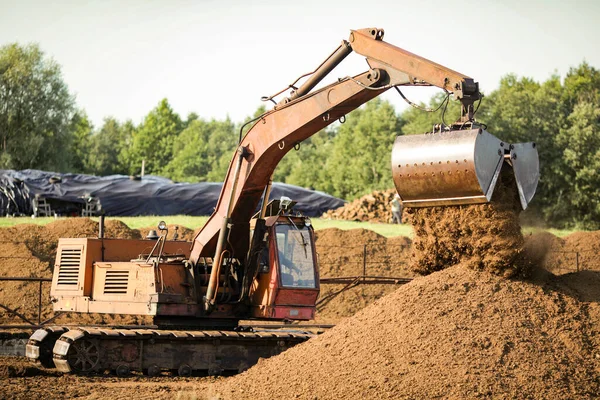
(458, 333)
(578, 251)
(483, 236)
(17, 367)
(373, 207)
(345, 253)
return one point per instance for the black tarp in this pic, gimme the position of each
(121, 196)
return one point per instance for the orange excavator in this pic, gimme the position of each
(249, 265)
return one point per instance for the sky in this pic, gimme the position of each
(217, 58)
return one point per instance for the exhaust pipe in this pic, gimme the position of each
(459, 167)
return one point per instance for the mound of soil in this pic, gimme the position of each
(576, 252)
(458, 333)
(183, 233)
(483, 236)
(584, 241)
(373, 207)
(345, 253)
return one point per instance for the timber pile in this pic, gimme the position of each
(373, 207)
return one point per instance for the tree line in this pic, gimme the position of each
(41, 127)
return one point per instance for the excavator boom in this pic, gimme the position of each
(305, 112)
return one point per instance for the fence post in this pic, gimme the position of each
(40, 305)
(364, 263)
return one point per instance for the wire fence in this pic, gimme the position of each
(394, 260)
(562, 262)
(25, 317)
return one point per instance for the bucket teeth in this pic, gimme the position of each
(459, 167)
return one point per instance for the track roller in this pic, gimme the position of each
(184, 370)
(122, 371)
(153, 370)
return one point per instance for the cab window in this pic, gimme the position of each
(296, 263)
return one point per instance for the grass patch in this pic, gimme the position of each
(388, 230)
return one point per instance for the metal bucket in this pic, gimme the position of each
(459, 167)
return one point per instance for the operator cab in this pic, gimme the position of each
(287, 284)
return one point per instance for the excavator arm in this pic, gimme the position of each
(305, 112)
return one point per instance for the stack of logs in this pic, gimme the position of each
(373, 207)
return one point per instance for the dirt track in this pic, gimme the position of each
(19, 380)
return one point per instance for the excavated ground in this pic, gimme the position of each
(20, 380)
(458, 333)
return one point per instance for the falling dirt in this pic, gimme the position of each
(458, 333)
(483, 236)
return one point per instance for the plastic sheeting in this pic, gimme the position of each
(121, 196)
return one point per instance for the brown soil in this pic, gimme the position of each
(343, 254)
(11, 367)
(21, 380)
(373, 207)
(578, 251)
(458, 333)
(483, 237)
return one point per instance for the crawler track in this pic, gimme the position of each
(85, 350)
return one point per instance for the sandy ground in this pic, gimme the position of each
(19, 379)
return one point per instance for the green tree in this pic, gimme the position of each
(581, 166)
(103, 158)
(36, 109)
(81, 129)
(153, 141)
(202, 151)
(306, 167)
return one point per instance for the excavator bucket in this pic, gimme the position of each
(459, 167)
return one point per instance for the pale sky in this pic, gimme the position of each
(217, 58)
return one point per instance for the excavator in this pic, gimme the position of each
(255, 259)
